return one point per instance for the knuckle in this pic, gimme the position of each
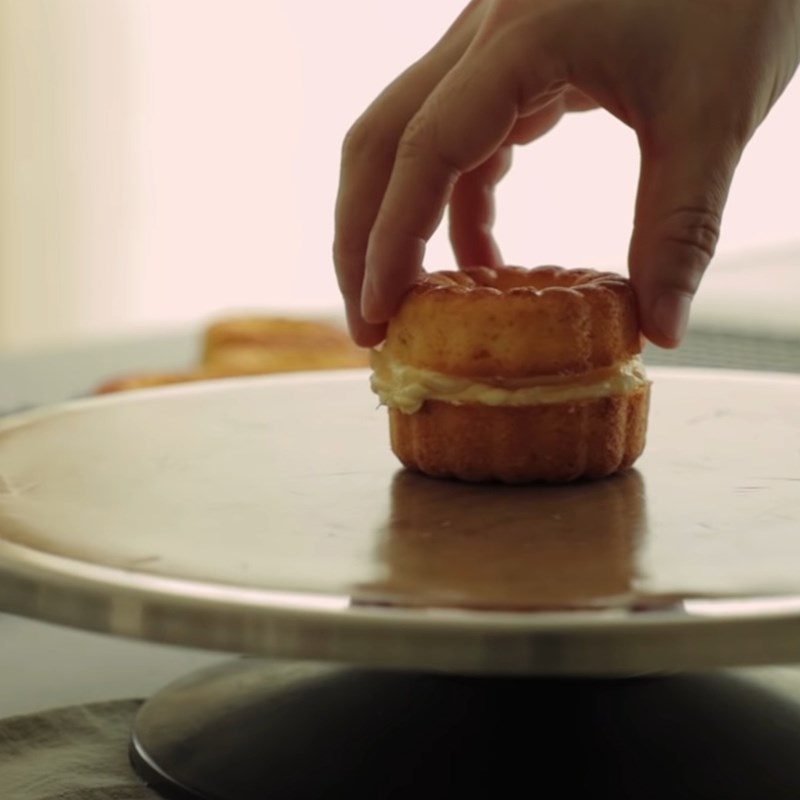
(415, 140)
(502, 10)
(505, 12)
(356, 140)
(367, 138)
(420, 145)
(696, 230)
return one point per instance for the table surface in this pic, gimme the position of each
(91, 666)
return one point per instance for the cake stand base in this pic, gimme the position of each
(254, 729)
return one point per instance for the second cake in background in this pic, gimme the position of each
(255, 345)
(262, 345)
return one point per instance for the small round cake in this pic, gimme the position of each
(515, 375)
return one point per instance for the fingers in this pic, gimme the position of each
(472, 206)
(683, 187)
(472, 212)
(367, 158)
(464, 121)
(534, 126)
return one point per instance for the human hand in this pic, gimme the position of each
(693, 78)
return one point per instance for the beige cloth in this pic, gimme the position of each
(75, 753)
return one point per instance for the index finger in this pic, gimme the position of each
(464, 121)
(367, 158)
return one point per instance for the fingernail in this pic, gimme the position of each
(361, 332)
(671, 314)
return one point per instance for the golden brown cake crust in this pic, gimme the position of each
(554, 442)
(508, 322)
(258, 345)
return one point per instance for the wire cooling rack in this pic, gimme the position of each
(730, 350)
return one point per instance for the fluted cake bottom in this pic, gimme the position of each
(553, 442)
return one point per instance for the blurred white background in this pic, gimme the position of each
(166, 160)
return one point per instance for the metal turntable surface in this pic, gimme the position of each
(268, 516)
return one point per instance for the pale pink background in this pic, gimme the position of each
(164, 160)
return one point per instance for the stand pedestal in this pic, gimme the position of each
(252, 729)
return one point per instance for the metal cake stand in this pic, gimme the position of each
(443, 637)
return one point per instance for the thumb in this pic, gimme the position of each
(682, 192)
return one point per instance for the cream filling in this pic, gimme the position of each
(406, 388)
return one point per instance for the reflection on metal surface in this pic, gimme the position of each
(738, 607)
(510, 547)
